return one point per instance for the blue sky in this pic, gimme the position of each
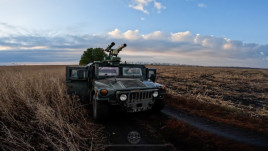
(194, 32)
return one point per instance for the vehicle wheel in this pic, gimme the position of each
(100, 109)
(158, 105)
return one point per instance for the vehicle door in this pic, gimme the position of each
(77, 81)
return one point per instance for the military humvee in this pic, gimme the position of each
(108, 83)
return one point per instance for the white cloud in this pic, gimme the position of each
(115, 34)
(130, 34)
(134, 35)
(228, 46)
(142, 18)
(159, 6)
(156, 35)
(181, 36)
(201, 5)
(139, 7)
(141, 4)
(262, 53)
(196, 38)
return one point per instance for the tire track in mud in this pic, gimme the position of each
(219, 129)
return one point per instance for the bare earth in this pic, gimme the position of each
(236, 88)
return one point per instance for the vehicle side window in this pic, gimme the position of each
(73, 74)
(78, 74)
(151, 72)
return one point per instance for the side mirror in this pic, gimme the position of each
(153, 77)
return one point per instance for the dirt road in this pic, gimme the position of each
(219, 129)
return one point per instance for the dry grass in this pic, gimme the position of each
(37, 114)
(243, 90)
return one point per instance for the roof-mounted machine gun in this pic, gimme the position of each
(112, 58)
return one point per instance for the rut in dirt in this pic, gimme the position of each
(219, 129)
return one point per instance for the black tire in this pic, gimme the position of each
(158, 105)
(100, 109)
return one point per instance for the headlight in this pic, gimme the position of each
(123, 97)
(163, 87)
(155, 94)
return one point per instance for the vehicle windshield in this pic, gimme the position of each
(108, 71)
(128, 71)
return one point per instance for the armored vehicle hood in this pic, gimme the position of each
(123, 83)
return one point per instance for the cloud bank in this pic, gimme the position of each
(157, 46)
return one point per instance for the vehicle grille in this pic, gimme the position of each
(139, 96)
(137, 100)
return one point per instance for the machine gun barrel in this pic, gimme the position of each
(109, 47)
(121, 47)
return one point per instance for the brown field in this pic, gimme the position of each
(243, 90)
(37, 114)
(233, 96)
